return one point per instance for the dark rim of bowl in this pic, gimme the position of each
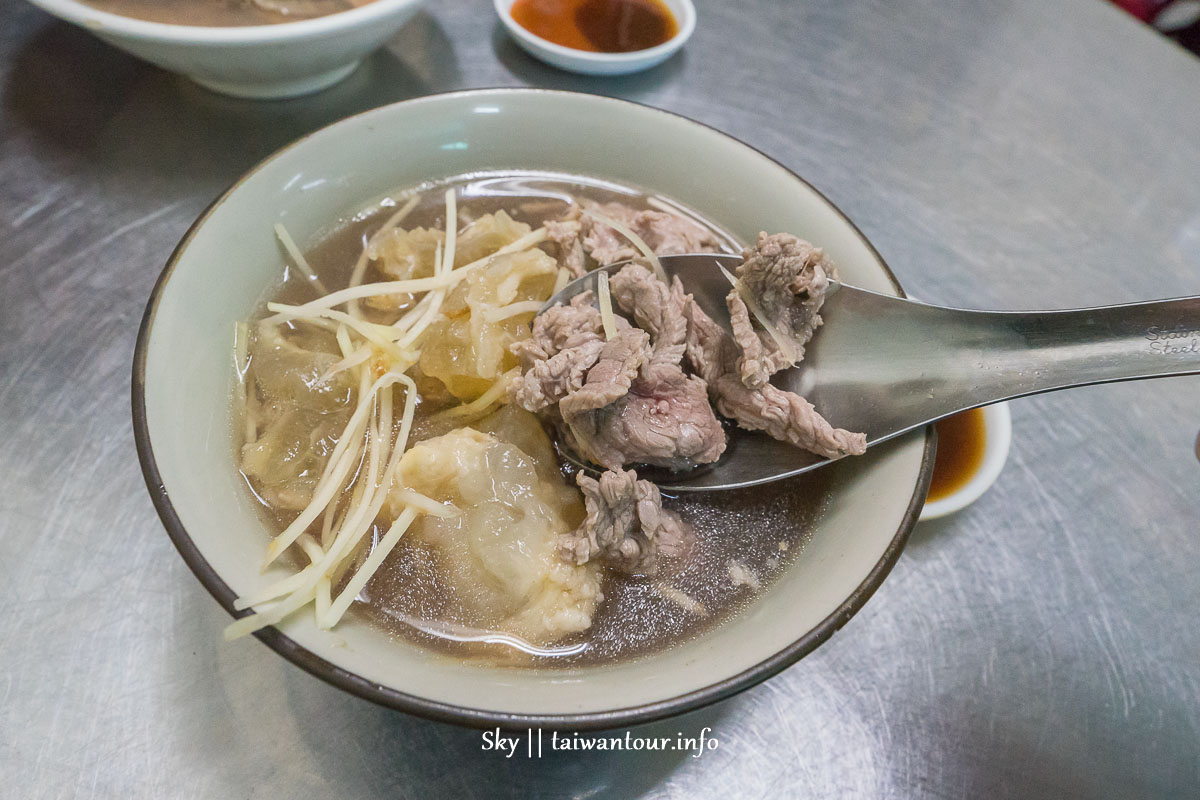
(446, 712)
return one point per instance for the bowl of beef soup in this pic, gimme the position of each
(776, 569)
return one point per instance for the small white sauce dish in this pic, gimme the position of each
(588, 63)
(254, 61)
(997, 438)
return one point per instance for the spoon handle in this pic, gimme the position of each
(900, 364)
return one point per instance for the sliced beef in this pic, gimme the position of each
(655, 308)
(565, 234)
(761, 357)
(628, 400)
(787, 278)
(549, 381)
(665, 234)
(561, 327)
(610, 378)
(663, 419)
(638, 406)
(566, 343)
(714, 356)
(534, 211)
(668, 412)
(626, 524)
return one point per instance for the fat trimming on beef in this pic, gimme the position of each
(665, 234)
(626, 524)
(782, 415)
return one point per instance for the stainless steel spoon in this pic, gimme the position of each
(885, 365)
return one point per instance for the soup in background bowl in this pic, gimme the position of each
(241, 51)
(225, 13)
(844, 526)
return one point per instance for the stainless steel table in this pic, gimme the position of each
(1010, 153)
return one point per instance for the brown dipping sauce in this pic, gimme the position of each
(598, 26)
(961, 443)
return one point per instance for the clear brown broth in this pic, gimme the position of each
(224, 13)
(760, 528)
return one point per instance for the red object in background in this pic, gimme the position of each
(1145, 10)
(1184, 28)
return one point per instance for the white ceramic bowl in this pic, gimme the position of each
(589, 63)
(257, 61)
(182, 383)
(997, 433)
